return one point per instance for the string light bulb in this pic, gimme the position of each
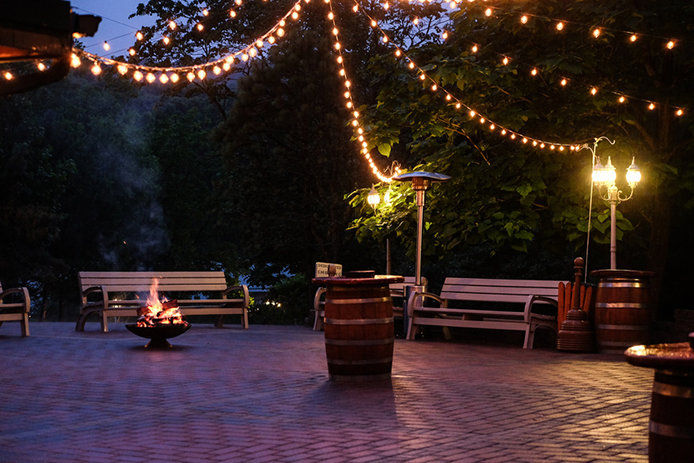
(533, 72)
(131, 51)
(474, 48)
(488, 12)
(651, 106)
(232, 13)
(41, 66)
(524, 19)
(122, 69)
(594, 91)
(560, 26)
(106, 46)
(75, 61)
(172, 25)
(166, 40)
(139, 36)
(505, 61)
(137, 75)
(8, 75)
(633, 38)
(174, 78)
(190, 76)
(563, 82)
(199, 27)
(205, 12)
(217, 70)
(150, 77)
(679, 112)
(670, 45)
(163, 78)
(596, 32)
(621, 99)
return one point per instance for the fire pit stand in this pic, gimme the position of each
(158, 335)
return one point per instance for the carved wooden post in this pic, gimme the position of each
(576, 333)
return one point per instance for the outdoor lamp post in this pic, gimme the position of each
(420, 183)
(373, 199)
(604, 177)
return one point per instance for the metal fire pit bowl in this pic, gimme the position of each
(158, 335)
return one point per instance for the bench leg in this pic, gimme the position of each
(220, 322)
(411, 329)
(318, 321)
(104, 322)
(446, 333)
(529, 337)
(244, 320)
(25, 325)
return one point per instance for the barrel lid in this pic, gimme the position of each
(663, 356)
(377, 281)
(623, 273)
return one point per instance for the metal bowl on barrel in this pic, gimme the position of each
(359, 332)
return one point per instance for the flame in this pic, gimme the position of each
(159, 312)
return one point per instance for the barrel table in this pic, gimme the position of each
(671, 424)
(358, 327)
(622, 311)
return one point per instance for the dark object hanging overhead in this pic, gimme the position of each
(34, 30)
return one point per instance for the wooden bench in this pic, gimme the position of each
(17, 311)
(518, 297)
(115, 294)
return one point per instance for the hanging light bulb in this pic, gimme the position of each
(504, 61)
(252, 52)
(75, 61)
(131, 51)
(232, 13)
(670, 45)
(199, 27)
(633, 38)
(139, 35)
(226, 66)
(166, 40)
(217, 70)
(106, 46)
(533, 72)
(205, 12)
(163, 78)
(593, 91)
(651, 106)
(475, 48)
(524, 19)
(295, 15)
(172, 24)
(201, 74)
(679, 112)
(596, 32)
(560, 26)
(621, 99)
(174, 78)
(563, 82)
(190, 76)
(40, 66)
(137, 75)
(122, 69)
(280, 32)
(488, 12)
(8, 75)
(150, 77)
(271, 39)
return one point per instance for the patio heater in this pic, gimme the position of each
(420, 183)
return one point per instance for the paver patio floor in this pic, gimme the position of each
(227, 395)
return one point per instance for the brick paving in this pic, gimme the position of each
(263, 395)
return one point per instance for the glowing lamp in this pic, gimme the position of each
(633, 174)
(373, 198)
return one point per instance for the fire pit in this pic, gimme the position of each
(159, 320)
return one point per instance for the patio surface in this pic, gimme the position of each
(227, 395)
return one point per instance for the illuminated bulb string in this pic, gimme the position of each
(563, 81)
(491, 125)
(349, 102)
(142, 72)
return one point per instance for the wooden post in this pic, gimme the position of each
(576, 333)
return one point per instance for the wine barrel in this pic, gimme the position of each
(671, 425)
(622, 312)
(359, 327)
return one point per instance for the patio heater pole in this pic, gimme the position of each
(420, 183)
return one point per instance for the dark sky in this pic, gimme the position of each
(113, 12)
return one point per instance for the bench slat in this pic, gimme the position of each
(487, 297)
(150, 274)
(506, 290)
(502, 282)
(489, 324)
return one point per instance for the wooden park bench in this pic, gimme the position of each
(116, 294)
(17, 311)
(508, 305)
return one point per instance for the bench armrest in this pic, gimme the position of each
(95, 289)
(26, 300)
(416, 295)
(243, 289)
(317, 297)
(533, 299)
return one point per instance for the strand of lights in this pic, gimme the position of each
(165, 74)
(474, 115)
(349, 103)
(563, 81)
(560, 25)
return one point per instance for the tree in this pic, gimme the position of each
(506, 200)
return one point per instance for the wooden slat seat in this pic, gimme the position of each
(112, 294)
(15, 305)
(508, 305)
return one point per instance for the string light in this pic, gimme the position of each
(488, 12)
(199, 27)
(596, 32)
(96, 69)
(41, 66)
(651, 106)
(106, 46)
(560, 26)
(524, 19)
(499, 129)
(670, 45)
(172, 25)
(8, 75)
(141, 72)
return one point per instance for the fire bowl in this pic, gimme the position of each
(159, 334)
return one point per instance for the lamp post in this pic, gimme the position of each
(604, 177)
(420, 183)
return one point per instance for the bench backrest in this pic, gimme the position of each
(479, 289)
(398, 289)
(139, 282)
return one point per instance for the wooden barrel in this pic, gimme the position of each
(359, 327)
(622, 312)
(671, 425)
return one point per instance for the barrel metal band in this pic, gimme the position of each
(363, 300)
(359, 342)
(620, 305)
(673, 390)
(624, 327)
(359, 321)
(360, 362)
(620, 285)
(668, 430)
